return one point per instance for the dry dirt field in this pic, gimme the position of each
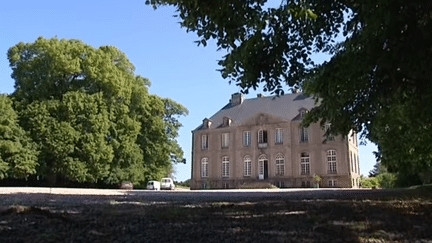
(90, 215)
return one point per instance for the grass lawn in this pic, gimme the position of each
(405, 216)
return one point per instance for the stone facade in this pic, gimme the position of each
(261, 139)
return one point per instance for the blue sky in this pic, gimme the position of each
(153, 41)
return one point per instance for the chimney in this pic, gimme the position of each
(236, 99)
(259, 95)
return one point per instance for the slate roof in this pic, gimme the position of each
(285, 107)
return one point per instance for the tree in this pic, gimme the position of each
(377, 81)
(18, 154)
(378, 168)
(90, 116)
(375, 171)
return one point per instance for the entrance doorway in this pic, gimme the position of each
(262, 167)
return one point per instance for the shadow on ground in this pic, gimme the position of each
(395, 216)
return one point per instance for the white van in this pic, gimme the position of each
(167, 183)
(153, 185)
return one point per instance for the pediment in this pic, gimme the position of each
(261, 119)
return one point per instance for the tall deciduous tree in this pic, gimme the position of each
(379, 77)
(18, 154)
(91, 117)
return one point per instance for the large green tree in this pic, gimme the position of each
(378, 79)
(90, 115)
(18, 154)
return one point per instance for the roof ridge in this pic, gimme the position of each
(274, 96)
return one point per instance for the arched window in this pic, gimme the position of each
(305, 163)
(247, 166)
(204, 167)
(280, 165)
(225, 166)
(331, 161)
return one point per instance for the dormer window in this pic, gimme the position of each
(302, 112)
(207, 123)
(227, 121)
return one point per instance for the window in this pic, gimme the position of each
(279, 136)
(304, 135)
(280, 165)
(358, 165)
(262, 136)
(204, 167)
(204, 141)
(225, 167)
(207, 123)
(225, 185)
(331, 161)
(246, 138)
(225, 140)
(355, 163)
(326, 128)
(280, 184)
(351, 161)
(305, 183)
(332, 183)
(304, 162)
(302, 112)
(226, 121)
(247, 166)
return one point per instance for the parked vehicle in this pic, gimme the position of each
(127, 185)
(167, 184)
(153, 185)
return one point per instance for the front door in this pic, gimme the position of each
(265, 169)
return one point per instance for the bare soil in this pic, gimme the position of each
(401, 216)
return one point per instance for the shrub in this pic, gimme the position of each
(370, 182)
(258, 185)
(387, 180)
(383, 180)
